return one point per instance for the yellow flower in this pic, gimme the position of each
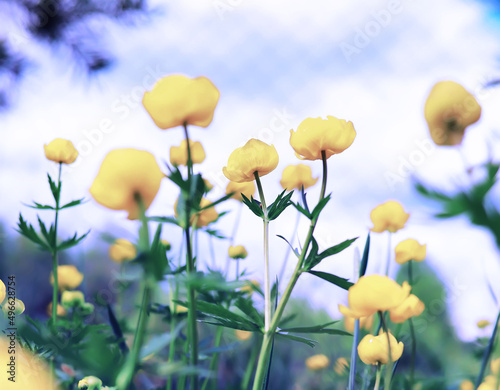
(175, 100)
(411, 307)
(29, 370)
(178, 154)
(243, 335)
(341, 366)
(364, 323)
(72, 299)
(68, 277)
(315, 135)
(449, 109)
(18, 307)
(410, 250)
(90, 383)
(317, 362)
(245, 188)
(388, 216)
(61, 151)
(61, 311)
(237, 252)
(489, 383)
(125, 174)
(202, 218)
(255, 156)
(375, 349)
(166, 244)
(122, 250)
(297, 176)
(483, 324)
(495, 366)
(250, 286)
(374, 293)
(3, 291)
(466, 385)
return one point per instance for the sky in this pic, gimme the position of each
(276, 64)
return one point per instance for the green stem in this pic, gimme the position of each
(487, 353)
(267, 287)
(377, 378)
(173, 324)
(388, 253)
(214, 361)
(245, 383)
(289, 248)
(388, 370)
(412, 332)
(55, 288)
(265, 350)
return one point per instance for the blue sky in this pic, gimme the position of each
(275, 65)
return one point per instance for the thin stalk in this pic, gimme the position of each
(412, 332)
(267, 287)
(487, 353)
(388, 253)
(288, 248)
(377, 378)
(214, 362)
(265, 350)
(233, 235)
(245, 383)
(388, 370)
(55, 288)
(173, 323)
(354, 356)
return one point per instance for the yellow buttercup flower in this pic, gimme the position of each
(317, 362)
(90, 383)
(122, 250)
(466, 385)
(178, 154)
(388, 216)
(72, 299)
(315, 135)
(124, 175)
(166, 244)
(489, 383)
(255, 156)
(495, 366)
(3, 291)
(18, 307)
(297, 176)
(61, 311)
(374, 293)
(237, 252)
(242, 335)
(202, 218)
(410, 250)
(483, 324)
(411, 307)
(61, 151)
(364, 323)
(375, 349)
(175, 100)
(449, 109)
(245, 188)
(68, 277)
(341, 366)
(28, 370)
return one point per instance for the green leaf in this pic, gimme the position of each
(156, 343)
(196, 191)
(320, 206)
(311, 343)
(318, 329)
(48, 235)
(246, 306)
(302, 210)
(176, 177)
(72, 203)
(171, 220)
(54, 188)
(40, 206)
(331, 251)
(364, 259)
(215, 233)
(295, 251)
(279, 205)
(230, 324)
(253, 205)
(334, 279)
(311, 257)
(158, 261)
(71, 242)
(28, 231)
(224, 198)
(432, 194)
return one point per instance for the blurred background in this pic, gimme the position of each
(78, 70)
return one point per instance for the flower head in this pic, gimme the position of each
(61, 151)
(374, 293)
(411, 307)
(122, 250)
(341, 366)
(71, 299)
(61, 311)
(245, 188)
(375, 349)
(175, 100)
(449, 109)
(317, 362)
(90, 383)
(124, 175)
(237, 252)
(483, 324)
(495, 366)
(388, 216)
(297, 176)
(410, 250)
(315, 135)
(179, 155)
(255, 156)
(3, 291)
(489, 383)
(364, 323)
(18, 307)
(68, 277)
(466, 385)
(242, 335)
